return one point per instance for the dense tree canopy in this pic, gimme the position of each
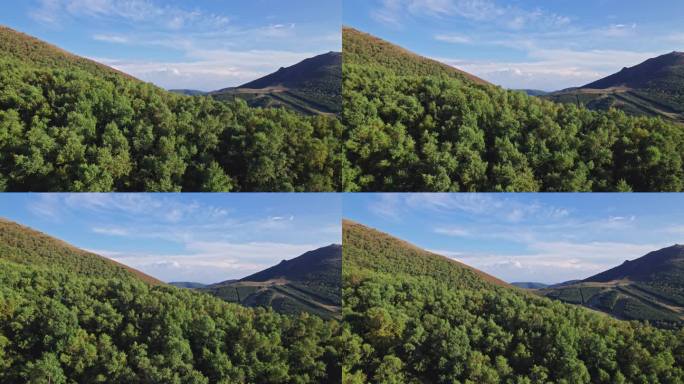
(69, 124)
(440, 322)
(60, 327)
(432, 129)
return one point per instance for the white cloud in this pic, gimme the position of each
(208, 70)
(553, 261)
(173, 18)
(393, 13)
(452, 231)
(111, 231)
(453, 38)
(552, 69)
(211, 261)
(111, 38)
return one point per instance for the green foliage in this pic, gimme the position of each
(69, 124)
(413, 125)
(432, 324)
(57, 326)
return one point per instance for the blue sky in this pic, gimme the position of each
(546, 238)
(185, 237)
(537, 44)
(203, 44)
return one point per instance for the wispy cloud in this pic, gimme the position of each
(170, 17)
(393, 12)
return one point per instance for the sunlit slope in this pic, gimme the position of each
(417, 317)
(23, 245)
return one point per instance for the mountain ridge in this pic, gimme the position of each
(311, 86)
(309, 282)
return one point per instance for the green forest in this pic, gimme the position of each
(412, 124)
(67, 316)
(416, 317)
(70, 124)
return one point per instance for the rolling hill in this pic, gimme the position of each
(307, 283)
(648, 288)
(313, 86)
(417, 317)
(23, 245)
(652, 88)
(361, 48)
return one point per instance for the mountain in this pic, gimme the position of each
(309, 283)
(534, 92)
(361, 48)
(188, 92)
(417, 317)
(648, 288)
(23, 245)
(187, 284)
(529, 285)
(313, 86)
(652, 88)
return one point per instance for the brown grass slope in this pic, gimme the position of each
(401, 256)
(365, 49)
(27, 48)
(24, 245)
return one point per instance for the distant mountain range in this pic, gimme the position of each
(313, 86)
(529, 285)
(652, 88)
(648, 288)
(310, 283)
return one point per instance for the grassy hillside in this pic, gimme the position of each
(313, 86)
(361, 48)
(416, 125)
(416, 317)
(69, 124)
(648, 288)
(307, 283)
(652, 88)
(23, 245)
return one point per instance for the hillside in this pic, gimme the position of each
(23, 245)
(361, 48)
(415, 125)
(652, 88)
(26, 48)
(417, 317)
(648, 288)
(312, 87)
(307, 283)
(67, 316)
(70, 124)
